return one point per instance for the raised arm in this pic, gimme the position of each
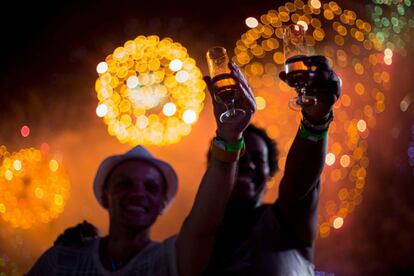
(299, 188)
(197, 235)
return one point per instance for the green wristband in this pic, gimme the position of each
(235, 147)
(229, 147)
(306, 133)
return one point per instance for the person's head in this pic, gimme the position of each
(135, 188)
(256, 167)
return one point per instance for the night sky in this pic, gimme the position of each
(49, 52)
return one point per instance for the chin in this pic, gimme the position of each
(137, 225)
(138, 221)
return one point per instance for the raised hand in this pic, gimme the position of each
(232, 130)
(324, 84)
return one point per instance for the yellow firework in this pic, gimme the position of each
(33, 188)
(150, 91)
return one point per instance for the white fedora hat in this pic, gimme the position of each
(138, 152)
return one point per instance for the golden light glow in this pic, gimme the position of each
(405, 103)
(169, 109)
(101, 110)
(3, 150)
(102, 67)
(149, 85)
(388, 60)
(36, 193)
(330, 159)
(58, 199)
(338, 222)
(324, 230)
(362, 125)
(132, 82)
(388, 52)
(176, 65)
(53, 165)
(8, 174)
(142, 121)
(17, 165)
(316, 4)
(251, 22)
(182, 76)
(39, 193)
(345, 160)
(260, 103)
(303, 24)
(189, 116)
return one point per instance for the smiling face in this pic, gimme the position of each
(135, 194)
(253, 171)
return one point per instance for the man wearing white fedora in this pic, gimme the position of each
(135, 188)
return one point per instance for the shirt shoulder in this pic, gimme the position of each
(65, 259)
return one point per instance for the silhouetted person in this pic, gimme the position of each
(278, 239)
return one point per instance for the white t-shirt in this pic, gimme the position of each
(156, 259)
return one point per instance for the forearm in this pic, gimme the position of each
(212, 197)
(201, 225)
(299, 189)
(304, 164)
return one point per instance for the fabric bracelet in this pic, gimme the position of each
(221, 154)
(307, 133)
(229, 147)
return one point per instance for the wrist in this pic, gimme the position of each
(229, 147)
(229, 139)
(319, 125)
(318, 119)
(311, 134)
(225, 152)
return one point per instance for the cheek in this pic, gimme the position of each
(266, 169)
(261, 175)
(114, 200)
(262, 170)
(157, 201)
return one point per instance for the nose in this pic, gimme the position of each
(138, 188)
